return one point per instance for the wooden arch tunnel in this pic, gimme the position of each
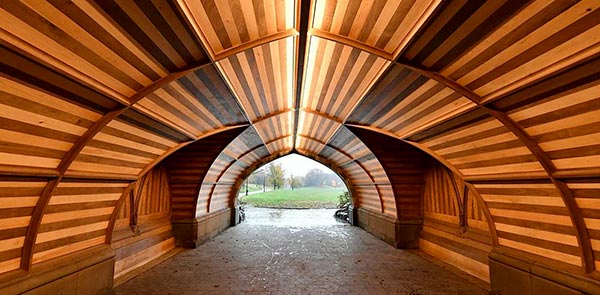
(467, 129)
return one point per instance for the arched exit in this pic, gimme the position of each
(294, 182)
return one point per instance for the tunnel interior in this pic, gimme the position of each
(465, 129)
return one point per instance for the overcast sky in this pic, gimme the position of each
(299, 165)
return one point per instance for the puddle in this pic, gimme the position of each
(301, 218)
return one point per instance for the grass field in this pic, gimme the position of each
(307, 197)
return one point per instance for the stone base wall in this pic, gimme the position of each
(403, 234)
(87, 272)
(193, 233)
(518, 276)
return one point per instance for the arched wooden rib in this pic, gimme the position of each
(113, 216)
(486, 212)
(587, 255)
(254, 43)
(35, 222)
(350, 42)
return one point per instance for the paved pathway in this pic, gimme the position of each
(266, 257)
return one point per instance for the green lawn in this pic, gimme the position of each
(307, 197)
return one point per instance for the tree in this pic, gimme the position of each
(294, 181)
(275, 175)
(314, 177)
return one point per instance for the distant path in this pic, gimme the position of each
(243, 192)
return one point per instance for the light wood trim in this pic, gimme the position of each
(35, 222)
(255, 43)
(326, 116)
(350, 42)
(271, 115)
(486, 213)
(86, 138)
(9, 170)
(587, 255)
(276, 139)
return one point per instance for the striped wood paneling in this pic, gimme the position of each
(464, 244)
(17, 201)
(404, 102)
(153, 234)
(562, 114)
(194, 104)
(37, 127)
(126, 146)
(262, 77)
(532, 217)
(116, 47)
(317, 127)
(229, 24)
(340, 77)
(187, 169)
(385, 25)
(587, 196)
(368, 195)
(493, 47)
(479, 145)
(402, 166)
(222, 173)
(76, 218)
(274, 128)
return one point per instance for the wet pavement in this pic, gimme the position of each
(297, 252)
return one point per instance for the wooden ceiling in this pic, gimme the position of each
(94, 94)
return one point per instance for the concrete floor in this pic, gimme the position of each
(297, 252)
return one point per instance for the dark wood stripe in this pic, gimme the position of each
(122, 149)
(113, 10)
(68, 240)
(137, 119)
(86, 190)
(500, 161)
(465, 12)
(532, 24)
(499, 16)
(48, 227)
(12, 125)
(560, 37)
(563, 229)
(79, 206)
(45, 27)
(529, 208)
(10, 254)
(573, 250)
(217, 23)
(16, 66)
(16, 212)
(458, 123)
(165, 29)
(94, 29)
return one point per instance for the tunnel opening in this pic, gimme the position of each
(294, 190)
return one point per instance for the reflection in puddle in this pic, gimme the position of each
(300, 218)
